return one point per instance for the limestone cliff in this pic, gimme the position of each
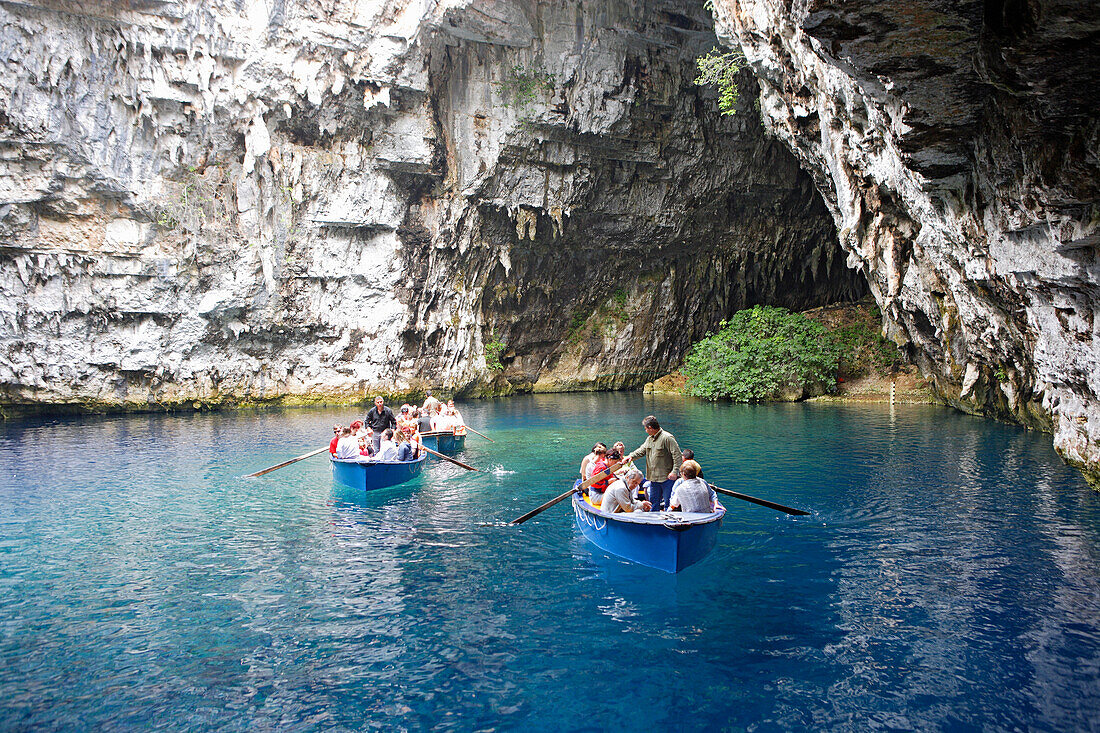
(956, 147)
(208, 203)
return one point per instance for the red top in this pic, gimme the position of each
(332, 445)
(600, 464)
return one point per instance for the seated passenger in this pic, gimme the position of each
(689, 455)
(443, 422)
(406, 449)
(366, 447)
(619, 497)
(405, 417)
(413, 436)
(347, 448)
(586, 462)
(387, 451)
(621, 471)
(600, 463)
(459, 422)
(424, 422)
(335, 439)
(691, 493)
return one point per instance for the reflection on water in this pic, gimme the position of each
(945, 578)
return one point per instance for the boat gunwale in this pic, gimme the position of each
(365, 461)
(670, 520)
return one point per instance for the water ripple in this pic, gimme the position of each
(946, 578)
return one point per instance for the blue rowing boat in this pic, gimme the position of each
(669, 541)
(444, 442)
(369, 475)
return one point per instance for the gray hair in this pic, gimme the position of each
(632, 474)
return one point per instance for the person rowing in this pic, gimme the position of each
(599, 465)
(347, 447)
(335, 439)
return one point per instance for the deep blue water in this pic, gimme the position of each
(948, 578)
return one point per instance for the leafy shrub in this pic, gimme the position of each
(720, 69)
(762, 353)
(494, 349)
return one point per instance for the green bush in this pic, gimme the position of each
(720, 69)
(763, 353)
(494, 349)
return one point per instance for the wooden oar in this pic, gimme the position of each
(448, 458)
(606, 473)
(481, 434)
(761, 502)
(541, 509)
(287, 463)
(595, 477)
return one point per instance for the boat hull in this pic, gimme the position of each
(373, 475)
(444, 443)
(669, 541)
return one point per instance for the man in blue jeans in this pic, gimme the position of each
(662, 462)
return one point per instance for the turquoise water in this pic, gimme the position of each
(947, 579)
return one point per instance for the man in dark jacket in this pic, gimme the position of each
(380, 418)
(662, 462)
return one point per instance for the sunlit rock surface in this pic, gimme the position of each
(230, 202)
(956, 146)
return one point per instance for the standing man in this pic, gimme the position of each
(381, 418)
(662, 462)
(431, 404)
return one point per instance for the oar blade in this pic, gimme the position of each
(762, 502)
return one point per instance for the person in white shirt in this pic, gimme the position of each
(691, 493)
(444, 421)
(619, 496)
(453, 411)
(387, 449)
(347, 448)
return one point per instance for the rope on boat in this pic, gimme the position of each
(591, 519)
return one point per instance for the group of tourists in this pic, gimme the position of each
(385, 436)
(673, 480)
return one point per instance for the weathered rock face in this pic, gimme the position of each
(226, 202)
(956, 147)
